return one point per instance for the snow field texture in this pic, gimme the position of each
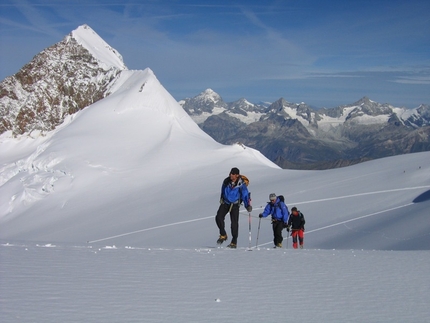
(53, 283)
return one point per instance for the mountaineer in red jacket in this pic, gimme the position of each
(297, 224)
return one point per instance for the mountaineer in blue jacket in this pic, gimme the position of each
(280, 214)
(234, 191)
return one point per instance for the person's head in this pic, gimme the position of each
(272, 197)
(234, 173)
(294, 210)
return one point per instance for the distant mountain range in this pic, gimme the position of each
(294, 135)
(70, 75)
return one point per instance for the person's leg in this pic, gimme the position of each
(278, 226)
(234, 217)
(294, 235)
(301, 238)
(220, 218)
(274, 232)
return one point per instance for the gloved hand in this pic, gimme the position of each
(260, 215)
(288, 228)
(249, 208)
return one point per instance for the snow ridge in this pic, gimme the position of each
(102, 51)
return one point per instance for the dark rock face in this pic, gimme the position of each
(57, 82)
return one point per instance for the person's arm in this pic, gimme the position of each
(266, 211)
(245, 196)
(285, 212)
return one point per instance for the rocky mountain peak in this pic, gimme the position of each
(205, 102)
(364, 101)
(367, 107)
(209, 96)
(291, 110)
(278, 105)
(59, 81)
(107, 56)
(244, 105)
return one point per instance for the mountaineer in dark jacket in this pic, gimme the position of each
(297, 224)
(234, 191)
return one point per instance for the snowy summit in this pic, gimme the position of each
(104, 53)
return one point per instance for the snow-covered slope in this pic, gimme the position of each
(102, 51)
(134, 168)
(134, 155)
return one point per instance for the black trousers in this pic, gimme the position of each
(234, 217)
(277, 226)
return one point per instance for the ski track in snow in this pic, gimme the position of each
(301, 203)
(363, 194)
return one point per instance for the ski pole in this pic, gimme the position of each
(249, 217)
(258, 232)
(249, 230)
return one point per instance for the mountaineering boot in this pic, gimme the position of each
(232, 245)
(221, 239)
(278, 245)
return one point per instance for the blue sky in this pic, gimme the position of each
(324, 53)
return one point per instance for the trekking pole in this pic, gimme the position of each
(258, 232)
(249, 213)
(249, 217)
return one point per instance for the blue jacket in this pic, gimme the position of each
(234, 193)
(278, 210)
